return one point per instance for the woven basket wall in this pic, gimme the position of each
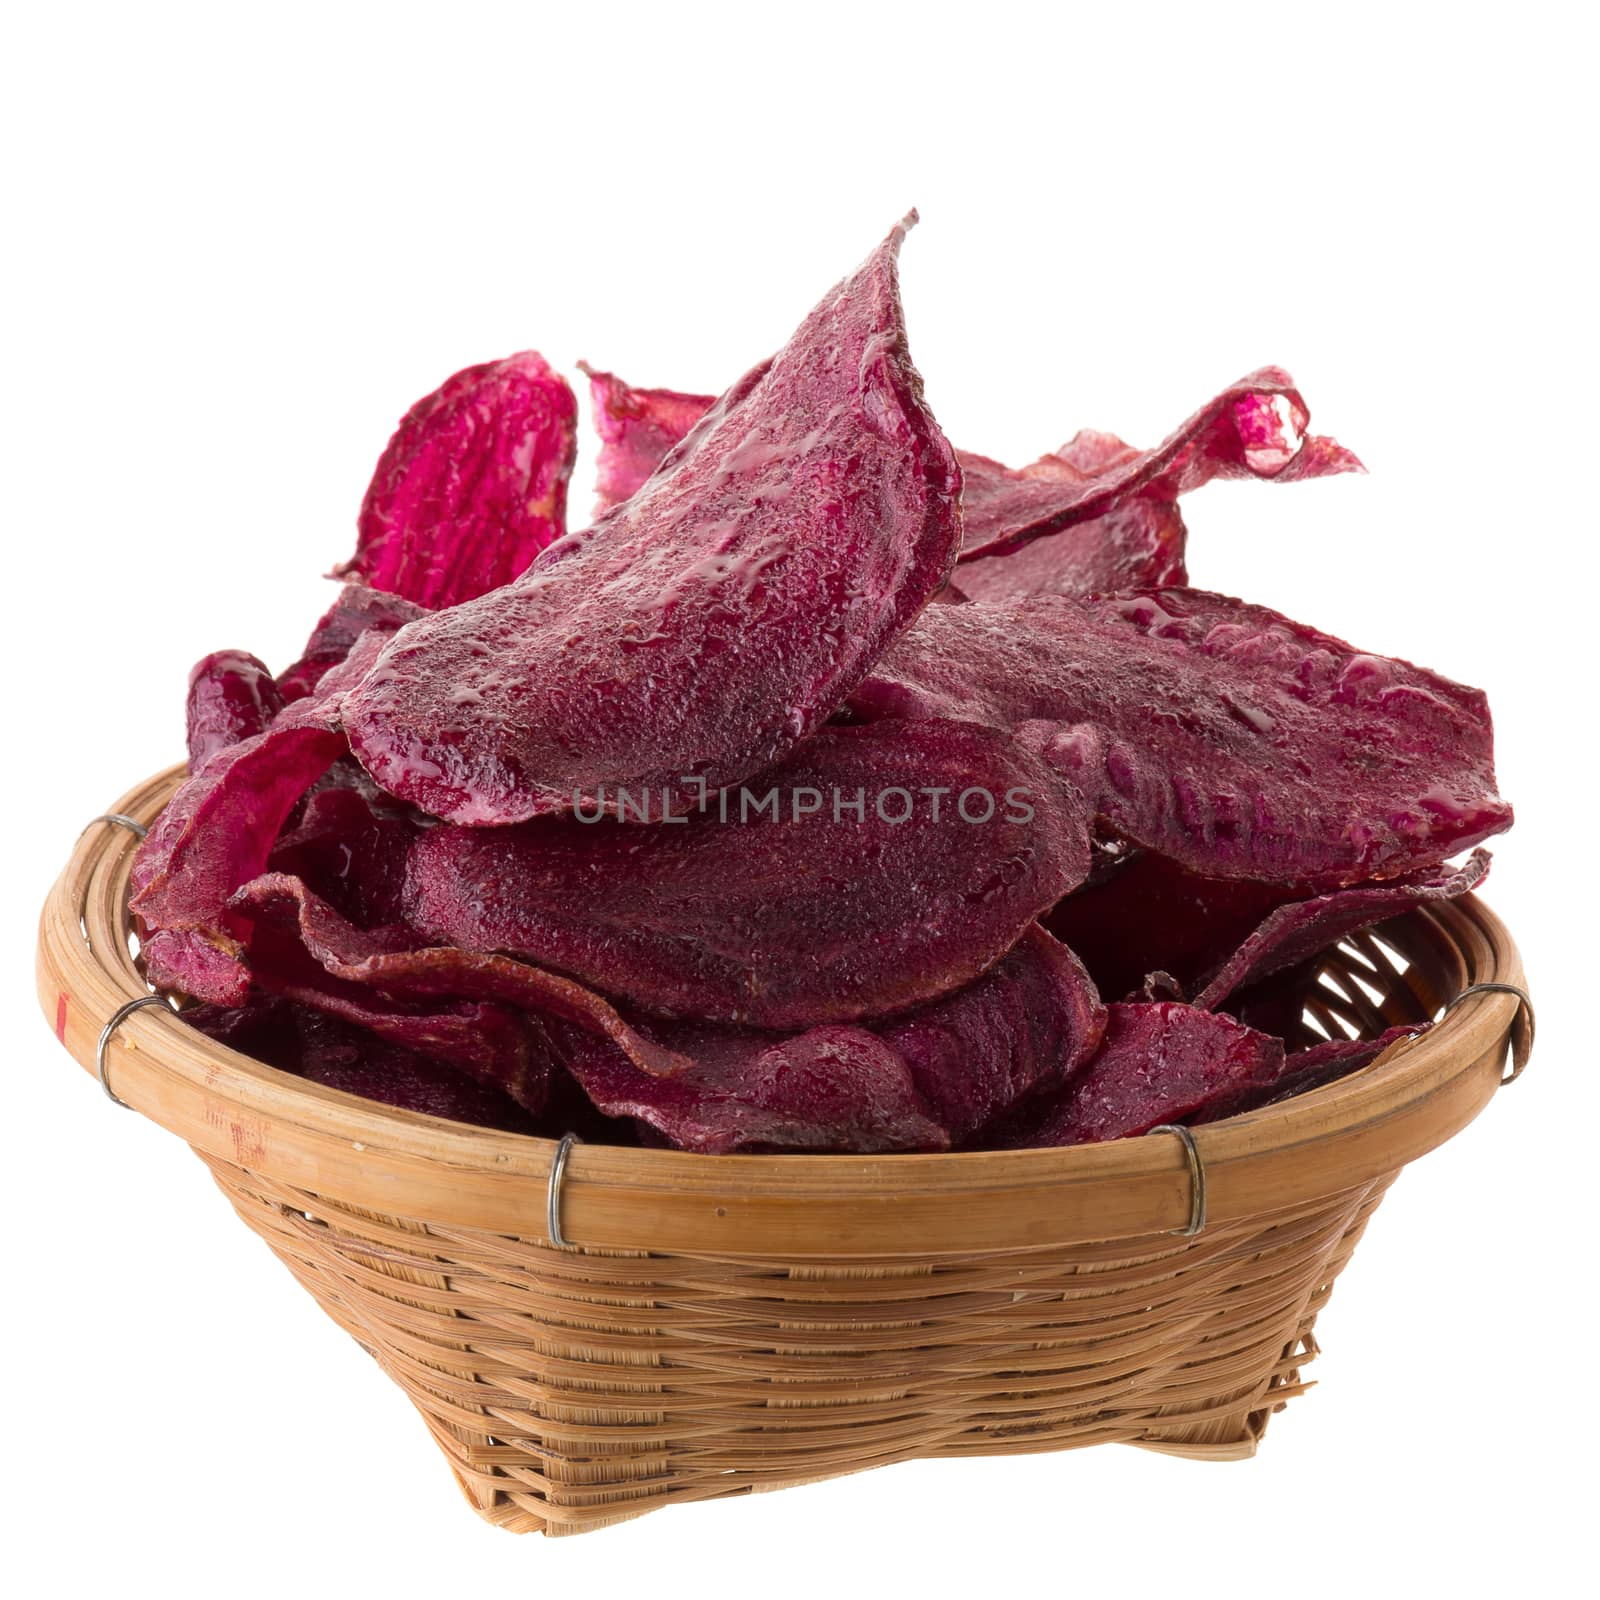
(729, 1324)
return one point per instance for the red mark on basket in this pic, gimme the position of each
(247, 1135)
(61, 1018)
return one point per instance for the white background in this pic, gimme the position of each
(243, 240)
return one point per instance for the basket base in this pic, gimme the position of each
(570, 1389)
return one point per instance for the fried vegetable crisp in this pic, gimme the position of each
(1098, 513)
(1221, 734)
(1254, 429)
(699, 631)
(472, 486)
(921, 1081)
(817, 895)
(833, 791)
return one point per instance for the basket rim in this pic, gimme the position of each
(449, 1174)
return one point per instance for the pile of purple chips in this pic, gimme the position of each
(833, 790)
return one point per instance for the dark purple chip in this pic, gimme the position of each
(708, 624)
(493, 1043)
(232, 697)
(358, 611)
(1030, 1021)
(874, 868)
(919, 1082)
(1305, 1070)
(350, 852)
(492, 1046)
(378, 967)
(1221, 734)
(264, 1027)
(1279, 1005)
(341, 1056)
(326, 1050)
(472, 486)
(1294, 932)
(754, 1092)
(1158, 1063)
(1149, 914)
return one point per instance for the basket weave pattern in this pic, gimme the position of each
(737, 1323)
(570, 1388)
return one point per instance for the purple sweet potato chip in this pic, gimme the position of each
(1097, 515)
(1279, 1005)
(1221, 734)
(831, 1090)
(1102, 514)
(493, 1043)
(921, 1081)
(338, 1055)
(872, 869)
(264, 1027)
(1136, 545)
(990, 488)
(351, 853)
(1304, 1070)
(217, 832)
(472, 486)
(1031, 1020)
(232, 697)
(1151, 915)
(1292, 933)
(487, 1044)
(706, 625)
(383, 967)
(1158, 1063)
(916, 1081)
(358, 611)
(1255, 429)
(637, 428)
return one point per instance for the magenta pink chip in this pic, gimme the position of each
(637, 428)
(232, 697)
(217, 833)
(472, 486)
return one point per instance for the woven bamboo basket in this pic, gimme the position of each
(646, 1327)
